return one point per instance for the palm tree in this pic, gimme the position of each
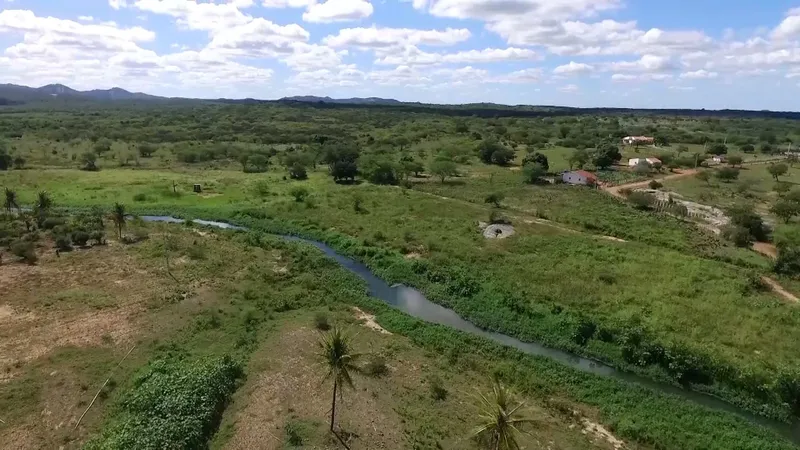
(11, 200)
(500, 419)
(336, 351)
(42, 206)
(118, 216)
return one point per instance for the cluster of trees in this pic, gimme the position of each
(602, 157)
(7, 161)
(746, 226)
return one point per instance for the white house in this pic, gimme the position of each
(719, 159)
(579, 177)
(633, 162)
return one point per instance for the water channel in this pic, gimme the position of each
(413, 303)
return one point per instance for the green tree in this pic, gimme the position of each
(735, 160)
(785, 209)
(10, 200)
(146, 149)
(747, 148)
(777, 170)
(336, 353)
(791, 159)
(89, 161)
(743, 215)
(342, 162)
(578, 159)
(443, 169)
(501, 419)
(606, 156)
(781, 188)
(727, 174)
(533, 173)
(102, 146)
(767, 148)
(298, 172)
(19, 162)
(717, 149)
(703, 175)
(119, 217)
(299, 193)
(489, 147)
(536, 158)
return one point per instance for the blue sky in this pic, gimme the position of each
(635, 53)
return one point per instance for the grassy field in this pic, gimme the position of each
(664, 282)
(254, 302)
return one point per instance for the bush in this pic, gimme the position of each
(495, 199)
(727, 174)
(655, 184)
(294, 433)
(24, 250)
(438, 391)
(63, 242)
(641, 200)
(140, 197)
(376, 366)
(298, 172)
(299, 193)
(176, 405)
(98, 236)
(80, 238)
(52, 222)
(321, 321)
(496, 218)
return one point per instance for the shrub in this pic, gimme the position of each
(140, 234)
(321, 321)
(496, 218)
(655, 184)
(376, 366)
(98, 236)
(727, 174)
(52, 222)
(299, 193)
(63, 242)
(140, 197)
(175, 405)
(196, 252)
(298, 172)
(294, 433)
(438, 391)
(495, 199)
(80, 238)
(21, 248)
(641, 200)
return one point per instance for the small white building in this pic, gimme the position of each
(633, 162)
(579, 177)
(720, 159)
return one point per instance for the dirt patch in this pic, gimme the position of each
(413, 255)
(766, 249)
(209, 195)
(599, 432)
(778, 289)
(5, 312)
(615, 190)
(369, 321)
(292, 387)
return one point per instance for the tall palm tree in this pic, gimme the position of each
(336, 351)
(500, 419)
(11, 200)
(118, 216)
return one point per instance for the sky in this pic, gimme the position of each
(713, 54)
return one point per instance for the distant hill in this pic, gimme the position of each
(343, 101)
(13, 94)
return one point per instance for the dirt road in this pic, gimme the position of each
(615, 190)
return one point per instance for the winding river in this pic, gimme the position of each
(412, 302)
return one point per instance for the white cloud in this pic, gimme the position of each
(338, 11)
(191, 15)
(117, 4)
(413, 56)
(378, 38)
(647, 63)
(569, 89)
(682, 88)
(573, 68)
(86, 18)
(790, 27)
(699, 74)
(286, 3)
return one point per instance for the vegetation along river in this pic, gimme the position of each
(412, 302)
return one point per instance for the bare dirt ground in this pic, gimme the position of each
(615, 190)
(388, 412)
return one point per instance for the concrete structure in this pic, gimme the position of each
(719, 159)
(579, 177)
(638, 140)
(633, 162)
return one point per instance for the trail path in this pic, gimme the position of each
(778, 289)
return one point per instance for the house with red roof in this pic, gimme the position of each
(579, 177)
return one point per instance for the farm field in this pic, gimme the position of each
(645, 291)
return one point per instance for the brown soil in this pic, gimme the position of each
(368, 320)
(615, 190)
(766, 249)
(292, 387)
